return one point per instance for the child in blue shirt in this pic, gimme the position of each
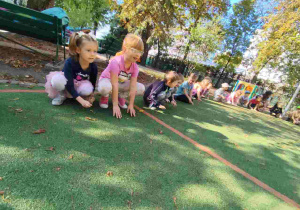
(184, 92)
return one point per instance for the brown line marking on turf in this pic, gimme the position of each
(232, 166)
(22, 91)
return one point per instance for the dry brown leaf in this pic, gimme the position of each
(150, 141)
(31, 171)
(15, 99)
(1, 178)
(1, 192)
(246, 135)
(39, 131)
(71, 157)
(91, 119)
(57, 168)
(236, 145)
(19, 110)
(109, 173)
(160, 131)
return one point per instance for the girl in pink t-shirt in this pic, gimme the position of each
(234, 97)
(120, 77)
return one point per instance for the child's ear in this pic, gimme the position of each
(78, 50)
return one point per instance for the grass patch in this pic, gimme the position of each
(66, 167)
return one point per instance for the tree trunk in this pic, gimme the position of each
(40, 5)
(158, 54)
(145, 36)
(96, 24)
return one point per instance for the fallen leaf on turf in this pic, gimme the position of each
(31, 171)
(141, 110)
(50, 149)
(19, 110)
(236, 145)
(15, 99)
(132, 192)
(160, 131)
(39, 131)
(91, 119)
(1, 192)
(109, 173)
(57, 169)
(71, 157)
(150, 141)
(129, 204)
(246, 136)
(1, 178)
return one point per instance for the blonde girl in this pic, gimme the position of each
(184, 92)
(234, 97)
(78, 78)
(120, 77)
(200, 88)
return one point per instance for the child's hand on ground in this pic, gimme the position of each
(131, 110)
(117, 112)
(91, 99)
(85, 103)
(174, 103)
(162, 107)
(167, 100)
(199, 99)
(191, 101)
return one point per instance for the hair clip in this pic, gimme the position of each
(81, 33)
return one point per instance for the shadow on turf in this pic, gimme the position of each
(159, 169)
(271, 168)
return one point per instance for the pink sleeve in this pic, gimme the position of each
(135, 72)
(114, 67)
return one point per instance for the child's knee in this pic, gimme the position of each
(85, 89)
(104, 88)
(140, 89)
(59, 82)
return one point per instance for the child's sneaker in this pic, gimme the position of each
(122, 103)
(59, 99)
(103, 102)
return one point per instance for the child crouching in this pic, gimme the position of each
(159, 92)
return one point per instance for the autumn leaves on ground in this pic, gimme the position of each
(69, 157)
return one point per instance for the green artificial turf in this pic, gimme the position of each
(150, 170)
(264, 146)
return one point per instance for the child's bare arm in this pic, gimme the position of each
(115, 93)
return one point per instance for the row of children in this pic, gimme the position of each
(79, 77)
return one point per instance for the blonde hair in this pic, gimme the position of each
(171, 76)
(76, 41)
(131, 41)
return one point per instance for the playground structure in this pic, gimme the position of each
(245, 86)
(28, 22)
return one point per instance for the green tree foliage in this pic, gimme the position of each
(155, 19)
(85, 13)
(242, 24)
(281, 45)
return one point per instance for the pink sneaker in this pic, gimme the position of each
(122, 103)
(103, 102)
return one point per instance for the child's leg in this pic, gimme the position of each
(182, 98)
(104, 87)
(84, 88)
(124, 89)
(56, 88)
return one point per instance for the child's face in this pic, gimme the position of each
(172, 84)
(88, 51)
(258, 98)
(191, 80)
(133, 55)
(179, 83)
(225, 88)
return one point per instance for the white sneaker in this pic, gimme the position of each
(122, 103)
(58, 100)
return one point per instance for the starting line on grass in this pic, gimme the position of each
(199, 146)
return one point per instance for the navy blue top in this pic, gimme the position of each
(151, 95)
(72, 70)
